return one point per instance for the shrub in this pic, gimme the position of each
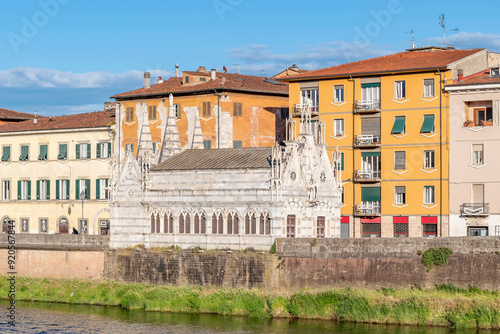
(436, 256)
(273, 249)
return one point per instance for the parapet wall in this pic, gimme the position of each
(62, 242)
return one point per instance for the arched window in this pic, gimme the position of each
(187, 224)
(153, 223)
(247, 223)
(166, 221)
(181, 223)
(63, 225)
(196, 224)
(158, 223)
(268, 225)
(236, 224)
(253, 224)
(203, 224)
(229, 223)
(221, 224)
(261, 223)
(214, 224)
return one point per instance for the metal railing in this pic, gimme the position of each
(475, 209)
(367, 141)
(368, 209)
(367, 175)
(298, 108)
(367, 106)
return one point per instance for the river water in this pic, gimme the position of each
(74, 319)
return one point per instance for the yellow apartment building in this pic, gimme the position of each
(387, 116)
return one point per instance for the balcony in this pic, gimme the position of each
(299, 109)
(367, 141)
(366, 106)
(368, 209)
(367, 176)
(475, 209)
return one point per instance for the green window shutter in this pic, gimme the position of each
(45, 150)
(29, 189)
(88, 151)
(8, 153)
(109, 150)
(67, 189)
(48, 190)
(237, 144)
(98, 154)
(18, 190)
(27, 153)
(97, 188)
(370, 194)
(370, 154)
(342, 161)
(428, 125)
(87, 184)
(65, 148)
(78, 151)
(57, 189)
(399, 125)
(77, 189)
(37, 189)
(368, 85)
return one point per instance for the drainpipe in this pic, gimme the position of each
(218, 118)
(440, 153)
(353, 159)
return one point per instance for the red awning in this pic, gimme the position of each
(344, 219)
(376, 220)
(400, 220)
(429, 220)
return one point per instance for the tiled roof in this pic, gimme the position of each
(77, 121)
(6, 114)
(399, 62)
(480, 79)
(225, 158)
(227, 81)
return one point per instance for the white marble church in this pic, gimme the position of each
(232, 198)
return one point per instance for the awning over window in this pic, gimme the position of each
(429, 220)
(375, 220)
(428, 125)
(399, 125)
(372, 84)
(344, 219)
(370, 154)
(370, 194)
(400, 220)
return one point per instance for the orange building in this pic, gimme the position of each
(201, 109)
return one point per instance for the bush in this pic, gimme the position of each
(436, 256)
(273, 249)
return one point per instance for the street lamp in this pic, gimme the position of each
(82, 197)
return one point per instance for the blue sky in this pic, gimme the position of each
(68, 56)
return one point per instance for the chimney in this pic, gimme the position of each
(212, 74)
(147, 79)
(460, 75)
(34, 119)
(176, 70)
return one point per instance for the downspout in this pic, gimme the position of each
(440, 153)
(353, 160)
(218, 117)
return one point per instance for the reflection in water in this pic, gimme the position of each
(63, 318)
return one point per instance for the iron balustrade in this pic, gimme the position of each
(367, 106)
(367, 140)
(475, 209)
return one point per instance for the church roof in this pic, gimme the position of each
(225, 158)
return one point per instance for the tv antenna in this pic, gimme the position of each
(457, 41)
(263, 73)
(238, 67)
(412, 32)
(442, 23)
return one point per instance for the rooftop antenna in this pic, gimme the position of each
(263, 73)
(238, 67)
(457, 41)
(442, 23)
(412, 32)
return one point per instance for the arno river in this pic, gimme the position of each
(74, 319)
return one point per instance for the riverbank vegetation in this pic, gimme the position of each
(443, 305)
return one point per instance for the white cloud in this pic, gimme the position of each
(469, 40)
(49, 78)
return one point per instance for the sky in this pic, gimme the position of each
(70, 56)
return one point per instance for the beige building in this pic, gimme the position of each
(54, 173)
(474, 154)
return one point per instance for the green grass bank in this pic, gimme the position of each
(444, 305)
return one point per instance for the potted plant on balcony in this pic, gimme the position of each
(487, 123)
(468, 123)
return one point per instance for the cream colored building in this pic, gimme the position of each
(474, 154)
(47, 163)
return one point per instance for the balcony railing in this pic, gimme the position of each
(475, 209)
(298, 109)
(368, 209)
(367, 141)
(367, 175)
(366, 106)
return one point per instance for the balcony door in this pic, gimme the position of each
(478, 194)
(370, 163)
(370, 92)
(310, 96)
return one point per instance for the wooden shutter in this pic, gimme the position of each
(29, 189)
(37, 189)
(98, 151)
(87, 186)
(77, 189)
(67, 189)
(18, 190)
(370, 126)
(109, 149)
(400, 160)
(78, 151)
(47, 195)
(88, 152)
(97, 189)
(57, 188)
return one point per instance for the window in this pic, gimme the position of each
(152, 113)
(370, 96)
(24, 190)
(187, 79)
(429, 226)
(285, 112)
(399, 126)
(428, 87)
(6, 153)
(25, 153)
(342, 196)
(338, 127)
(429, 160)
(155, 147)
(63, 152)
(5, 190)
(42, 190)
(203, 79)
(178, 110)
(400, 227)
(338, 94)
(43, 153)
(290, 226)
(103, 150)
(25, 225)
(428, 124)
(400, 160)
(84, 226)
(311, 97)
(237, 109)
(43, 225)
(63, 226)
(341, 166)
(206, 109)
(495, 72)
(371, 227)
(483, 116)
(344, 227)
(129, 114)
(477, 154)
(101, 189)
(400, 89)
(207, 144)
(320, 231)
(83, 151)
(399, 195)
(62, 189)
(237, 144)
(82, 184)
(129, 147)
(429, 197)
